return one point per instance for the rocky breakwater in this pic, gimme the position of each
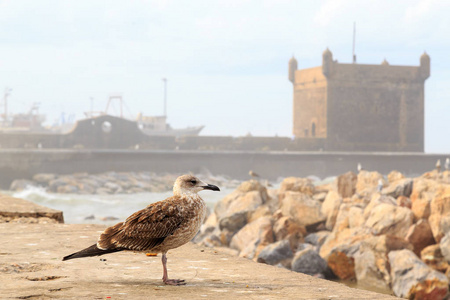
(110, 182)
(386, 233)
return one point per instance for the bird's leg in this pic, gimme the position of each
(165, 278)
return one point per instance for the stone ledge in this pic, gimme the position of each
(14, 208)
(31, 268)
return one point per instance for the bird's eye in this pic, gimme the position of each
(193, 181)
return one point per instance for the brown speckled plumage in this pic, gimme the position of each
(159, 227)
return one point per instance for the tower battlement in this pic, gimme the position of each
(360, 107)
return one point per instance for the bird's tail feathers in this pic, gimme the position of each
(91, 251)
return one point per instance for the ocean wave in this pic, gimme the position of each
(100, 209)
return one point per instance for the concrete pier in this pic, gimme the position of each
(31, 268)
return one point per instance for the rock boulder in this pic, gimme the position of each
(330, 208)
(420, 236)
(368, 181)
(413, 279)
(308, 261)
(432, 256)
(390, 219)
(295, 184)
(402, 187)
(275, 253)
(252, 235)
(286, 228)
(445, 246)
(440, 212)
(346, 184)
(302, 208)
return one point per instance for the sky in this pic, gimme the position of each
(225, 61)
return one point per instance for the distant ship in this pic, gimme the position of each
(157, 125)
(32, 122)
(149, 125)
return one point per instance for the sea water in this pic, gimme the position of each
(110, 209)
(102, 209)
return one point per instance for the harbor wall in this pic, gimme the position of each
(109, 132)
(24, 163)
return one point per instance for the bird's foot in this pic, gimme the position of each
(174, 282)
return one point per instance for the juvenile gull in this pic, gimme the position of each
(159, 227)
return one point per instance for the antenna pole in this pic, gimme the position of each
(92, 106)
(121, 107)
(5, 100)
(354, 41)
(165, 96)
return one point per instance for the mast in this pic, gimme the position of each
(5, 103)
(111, 98)
(165, 96)
(92, 106)
(354, 42)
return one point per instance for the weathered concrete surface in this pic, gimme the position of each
(13, 208)
(31, 268)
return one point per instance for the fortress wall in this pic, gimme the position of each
(310, 105)
(380, 112)
(363, 112)
(307, 144)
(412, 116)
(29, 140)
(382, 73)
(360, 107)
(205, 142)
(308, 77)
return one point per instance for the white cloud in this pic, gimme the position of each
(223, 54)
(329, 11)
(418, 11)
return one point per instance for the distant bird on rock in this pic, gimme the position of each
(438, 165)
(159, 227)
(267, 183)
(359, 167)
(380, 185)
(253, 174)
(447, 163)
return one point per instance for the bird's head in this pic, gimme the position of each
(188, 184)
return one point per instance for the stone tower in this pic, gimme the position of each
(357, 107)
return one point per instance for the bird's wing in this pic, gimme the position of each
(145, 229)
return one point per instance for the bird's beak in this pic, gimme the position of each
(210, 187)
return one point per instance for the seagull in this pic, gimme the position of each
(359, 167)
(252, 174)
(159, 227)
(268, 184)
(447, 163)
(380, 185)
(438, 165)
